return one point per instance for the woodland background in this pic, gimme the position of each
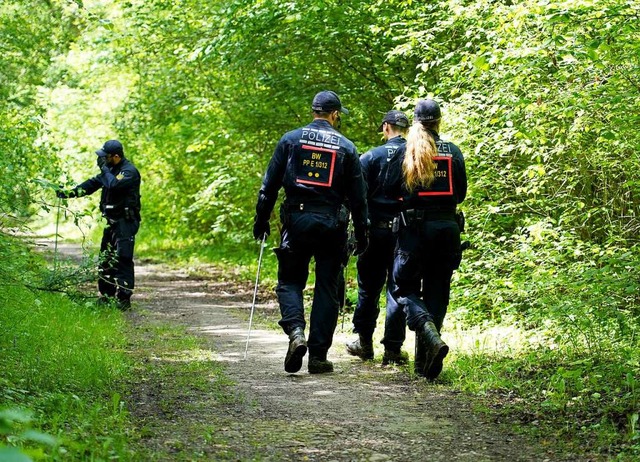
(543, 98)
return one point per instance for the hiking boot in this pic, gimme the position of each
(124, 304)
(297, 350)
(363, 347)
(435, 350)
(319, 366)
(104, 301)
(395, 357)
(420, 357)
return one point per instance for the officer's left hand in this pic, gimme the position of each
(101, 161)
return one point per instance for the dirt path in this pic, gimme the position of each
(361, 412)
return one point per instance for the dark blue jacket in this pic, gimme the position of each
(316, 166)
(445, 193)
(374, 169)
(120, 186)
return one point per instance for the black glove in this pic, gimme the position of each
(260, 229)
(66, 193)
(101, 161)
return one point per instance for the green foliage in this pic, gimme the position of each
(63, 361)
(31, 32)
(589, 404)
(542, 96)
(14, 423)
(214, 103)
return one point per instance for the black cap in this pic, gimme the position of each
(394, 117)
(426, 110)
(327, 101)
(111, 147)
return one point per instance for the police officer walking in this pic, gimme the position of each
(429, 175)
(319, 170)
(120, 206)
(375, 265)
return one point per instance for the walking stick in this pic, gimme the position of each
(55, 242)
(255, 293)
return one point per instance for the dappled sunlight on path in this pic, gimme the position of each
(362, 411)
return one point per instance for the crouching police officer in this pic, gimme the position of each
(319, 170)
(429, 175)
(375, 265)
(120, 206)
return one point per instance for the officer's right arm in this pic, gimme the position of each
(356, 193)
(83, 189)
(268, 194)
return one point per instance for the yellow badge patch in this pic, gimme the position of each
(119, 176)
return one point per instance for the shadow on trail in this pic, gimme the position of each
(361, 412)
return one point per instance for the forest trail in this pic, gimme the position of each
(361, 412)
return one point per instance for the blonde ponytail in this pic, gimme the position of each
(418, 166)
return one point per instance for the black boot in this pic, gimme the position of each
(297, 350)
(435, 350)
(124, 304)
(420, 357)
(363, 347)
(319, 365)
(398, 357)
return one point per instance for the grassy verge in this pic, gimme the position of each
(577, 381)
(72, 376)
(241, 257)
(63, 370)
(583, 405)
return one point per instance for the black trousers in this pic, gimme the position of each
(307, 235)
(375, 270)
(116, 269)
(427, 254)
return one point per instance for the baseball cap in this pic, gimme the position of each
(327, 101)
(394, 117)
(111, 147)
(426, 110)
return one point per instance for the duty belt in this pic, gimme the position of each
(425, 215)
(307, 207)
(385, 224)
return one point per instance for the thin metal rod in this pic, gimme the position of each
(55, 241)
(255, 293)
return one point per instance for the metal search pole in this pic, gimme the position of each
(55, 242)
(255, 293)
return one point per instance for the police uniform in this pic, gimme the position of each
(120, 206)
(428, 249)
(376, 263)
(319, 170)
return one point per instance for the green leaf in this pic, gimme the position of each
(13, 455)
(39, 437)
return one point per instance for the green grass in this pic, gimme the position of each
(68, 371)
(63, 366)
(584, 405)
